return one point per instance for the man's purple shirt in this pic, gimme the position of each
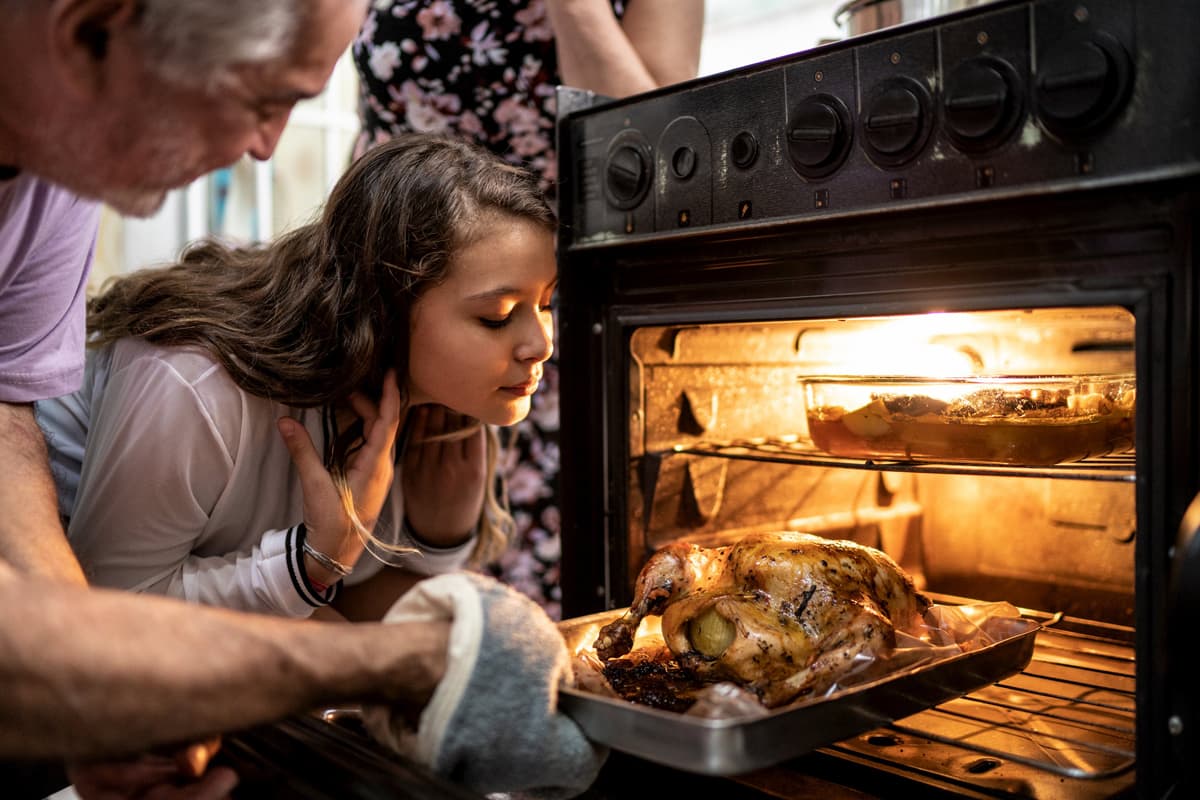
(47, 241)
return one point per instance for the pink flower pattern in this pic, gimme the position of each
(484, 70)
(438, 20)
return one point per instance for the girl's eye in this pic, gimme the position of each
(494, 323)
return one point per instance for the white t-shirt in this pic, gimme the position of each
(185, 486)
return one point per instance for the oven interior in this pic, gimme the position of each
(720, 446)
(759, 268)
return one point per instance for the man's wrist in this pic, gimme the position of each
(412, 673)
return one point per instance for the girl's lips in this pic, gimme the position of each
(521, 389)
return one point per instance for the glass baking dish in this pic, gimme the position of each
(1013, 420)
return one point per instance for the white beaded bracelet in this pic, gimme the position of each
(329, 563)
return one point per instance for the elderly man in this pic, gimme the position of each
(120, 101)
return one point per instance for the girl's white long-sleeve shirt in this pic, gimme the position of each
(176, 481)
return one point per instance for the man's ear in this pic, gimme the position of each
(82, 35)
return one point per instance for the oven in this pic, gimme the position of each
(760, 268)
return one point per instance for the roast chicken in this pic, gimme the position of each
(783, 614)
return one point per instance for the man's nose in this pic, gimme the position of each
(266, 136)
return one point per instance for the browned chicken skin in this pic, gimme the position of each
(781, 613)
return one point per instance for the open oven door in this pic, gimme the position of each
(1184, 720)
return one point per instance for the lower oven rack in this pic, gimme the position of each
(1064, 727)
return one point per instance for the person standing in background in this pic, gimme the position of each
(486, 71)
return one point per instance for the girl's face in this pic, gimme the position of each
(479, 338)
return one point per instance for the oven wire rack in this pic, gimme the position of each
(1069, 715)
(1119, 467)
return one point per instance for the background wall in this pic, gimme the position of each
(254, 201)
(740, 32)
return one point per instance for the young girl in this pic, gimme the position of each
(419, 302)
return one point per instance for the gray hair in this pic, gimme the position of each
(197, 41)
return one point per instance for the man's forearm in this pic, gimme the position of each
(99, 673)
(31, 536)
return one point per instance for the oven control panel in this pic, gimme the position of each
(1003, 99)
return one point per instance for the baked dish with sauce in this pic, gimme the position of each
(1026, 421)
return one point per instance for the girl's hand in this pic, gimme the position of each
(443, 481)
(369, 473)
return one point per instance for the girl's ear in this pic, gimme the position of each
(82, 37)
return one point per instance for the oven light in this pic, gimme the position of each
(926, 345)
(883, 354)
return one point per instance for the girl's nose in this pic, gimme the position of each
(537, 343)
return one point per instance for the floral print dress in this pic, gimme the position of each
(485, 70)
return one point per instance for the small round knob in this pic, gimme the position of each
(896, 122)
(981, 103)
(1081, 84)
(626, 176)
(743, 150)
(683, 162)
(818, 135)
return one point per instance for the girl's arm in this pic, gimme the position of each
(155, 465)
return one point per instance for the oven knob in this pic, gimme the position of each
(818, 135)
(896, 122)
(981, 104)
(1081, 85)
(627, 176)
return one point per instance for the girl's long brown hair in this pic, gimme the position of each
(324, 310)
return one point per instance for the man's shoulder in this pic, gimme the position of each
(26, 193)
(38, 216)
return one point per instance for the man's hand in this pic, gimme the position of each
(444, 477)
(492, 723)
(180, 775)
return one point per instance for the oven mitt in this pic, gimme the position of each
(492, 723)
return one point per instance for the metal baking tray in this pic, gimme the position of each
(733, 746)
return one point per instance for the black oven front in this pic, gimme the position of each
(1006, 191)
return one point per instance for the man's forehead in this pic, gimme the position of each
(304, 71)
(326, 33)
